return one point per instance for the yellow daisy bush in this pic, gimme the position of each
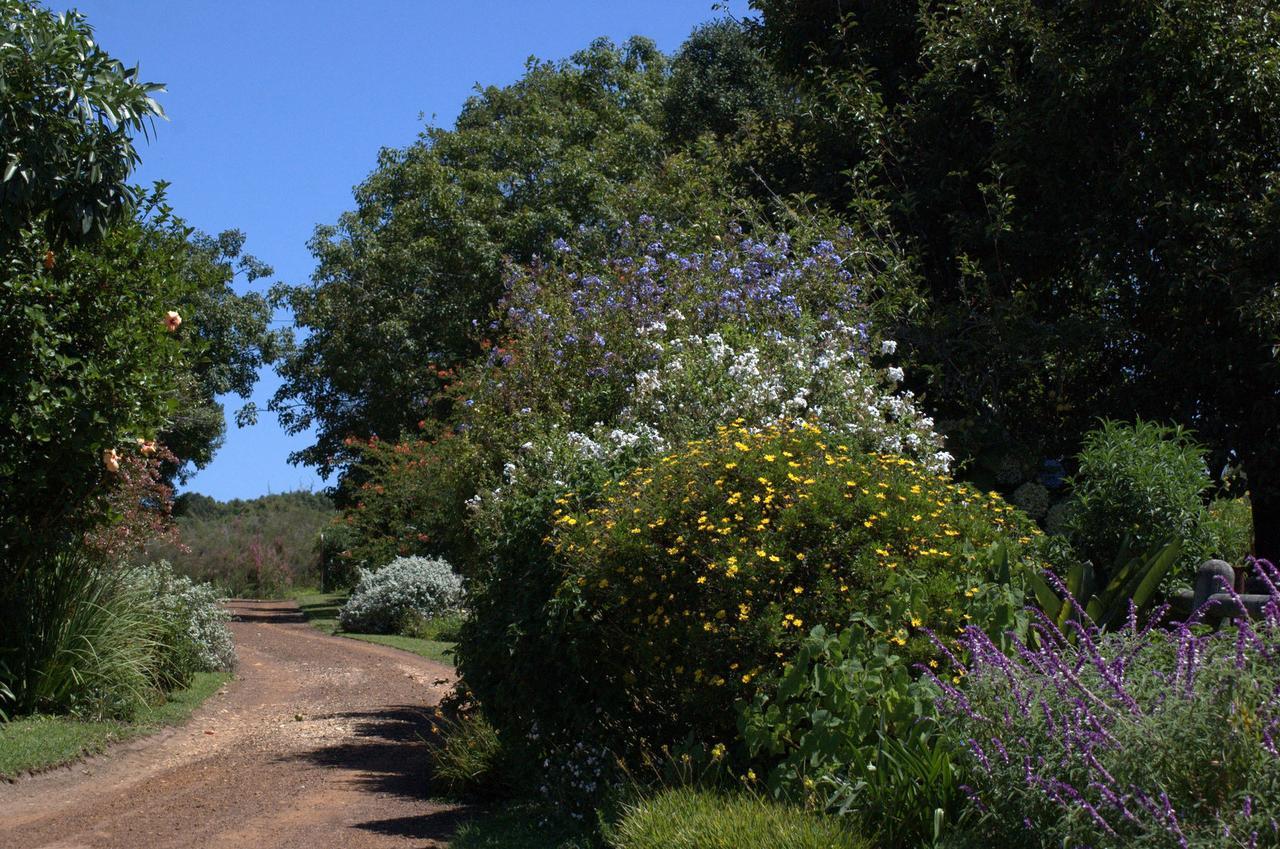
(697, 574)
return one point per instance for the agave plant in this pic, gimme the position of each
(1133, 584)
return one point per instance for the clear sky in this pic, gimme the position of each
(277, 108)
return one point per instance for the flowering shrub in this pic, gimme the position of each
(196, 637)
(695, 578)
(658, 345)
(407, 586)
(1152, 737)
(408, 499)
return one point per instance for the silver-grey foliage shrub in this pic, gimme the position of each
(407, 586)
(198, 637)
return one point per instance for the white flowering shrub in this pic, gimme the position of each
(196, 638)
(407, 586)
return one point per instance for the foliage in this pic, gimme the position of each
(67, 114)
(97, 642)
(403, 280)
(1230, 522)
(687, 818)
(607, 361)
(1138, 486)
(407, 498)
(258, 548)
(688, 582)
(523, 825)
(850, 727)
(1143, 737)
(468, 761)
(139, 505)
(1130, 588)
(720, 83)
(406, 587)
(88, 368)
(85, 641)
(196, 637)
(232, 332)
(1121, 276)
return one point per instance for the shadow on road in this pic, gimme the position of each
(389, 750)
(437, 825)
(389, 756)
(244, 610)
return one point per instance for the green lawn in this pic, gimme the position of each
(35, 743)
(321, 610)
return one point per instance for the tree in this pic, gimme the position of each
(1092, 195)
(67, 114)
(405, 282)
(234, 336)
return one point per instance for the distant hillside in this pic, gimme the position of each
(259, 547)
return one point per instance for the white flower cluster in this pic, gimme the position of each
(195, 611)
(423, 586)
(700, 381)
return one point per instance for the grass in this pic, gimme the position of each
(688, 818)
(36, 743)
(519, 826)
(321, 610)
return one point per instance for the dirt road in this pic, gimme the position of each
(316, 744)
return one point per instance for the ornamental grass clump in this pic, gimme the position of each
(693, 579)
(1144, 737)
(406, 587)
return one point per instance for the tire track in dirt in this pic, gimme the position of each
(246, 772)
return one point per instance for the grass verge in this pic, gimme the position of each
(321, 610)
(36, 743)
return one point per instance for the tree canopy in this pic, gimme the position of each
(68, 112)
(405, 282)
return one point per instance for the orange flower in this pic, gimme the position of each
(147, 447)
(172, 321)
(111, 460)
(48, 260)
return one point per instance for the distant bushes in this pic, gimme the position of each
(259, 548)
(405, 590)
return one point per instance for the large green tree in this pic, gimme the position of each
(68, 112)
(94, 353)
(405, 282)
(1091, 191)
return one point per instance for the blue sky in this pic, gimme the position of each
(277, 108)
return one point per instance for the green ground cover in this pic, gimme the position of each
(321, 610)
(36, 743)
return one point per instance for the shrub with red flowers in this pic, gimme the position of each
(406, 498)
